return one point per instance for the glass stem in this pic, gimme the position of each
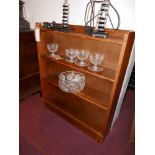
(82, 62)
(53, 54)
(95, 66)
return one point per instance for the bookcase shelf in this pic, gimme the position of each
(107, 74)
(89, 94)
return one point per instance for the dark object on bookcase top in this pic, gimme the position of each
(56, 26)
(100, 34)
(23, 24)
(88, 30)
(47, 25)
(59, 27)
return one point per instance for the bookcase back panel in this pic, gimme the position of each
(111, 51)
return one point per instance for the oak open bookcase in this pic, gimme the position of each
(92, 109)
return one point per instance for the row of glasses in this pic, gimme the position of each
(79, 56)
(95, 58)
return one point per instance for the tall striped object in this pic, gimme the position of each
(65, 16)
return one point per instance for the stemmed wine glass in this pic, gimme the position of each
(96, 59)
(82, 55)
(71, 54)
(52, 47)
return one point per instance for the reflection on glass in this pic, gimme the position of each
(52, 48)
(71, 54)
(82, 55)
(96, 59)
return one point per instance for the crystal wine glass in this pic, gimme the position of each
(96, 59)
(71, 54)
(82, 55)
(52, 49)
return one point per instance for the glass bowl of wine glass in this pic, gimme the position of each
(96, 59)
(71, 55)
(71, 81)
(52, 48)
(82, 55)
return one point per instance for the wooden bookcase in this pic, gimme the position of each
(92, 109)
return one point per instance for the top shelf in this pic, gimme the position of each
(107, 74)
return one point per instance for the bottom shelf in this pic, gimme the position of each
(76, 122)
(88, 113)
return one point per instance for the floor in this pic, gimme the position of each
(42, 132)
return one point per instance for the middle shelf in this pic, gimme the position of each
(90, 95)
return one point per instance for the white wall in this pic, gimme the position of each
(49, 10)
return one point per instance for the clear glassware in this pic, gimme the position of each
(52, 49)
(71, 81)
(71, 54)
(96, 59)
(82, 55)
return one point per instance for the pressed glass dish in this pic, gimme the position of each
(71, 81)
